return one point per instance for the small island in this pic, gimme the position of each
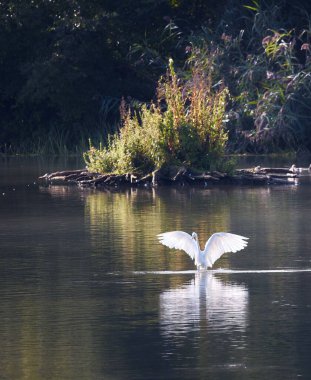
(177, 176)
(180, 139)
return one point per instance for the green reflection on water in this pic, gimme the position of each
(129, 222)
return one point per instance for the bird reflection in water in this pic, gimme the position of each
(222, 306)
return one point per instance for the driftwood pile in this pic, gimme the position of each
(178, 175)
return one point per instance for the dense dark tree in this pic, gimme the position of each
(66, 64)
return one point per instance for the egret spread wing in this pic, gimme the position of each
(179, 240)
(223, 242)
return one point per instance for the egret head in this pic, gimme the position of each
(194, 236)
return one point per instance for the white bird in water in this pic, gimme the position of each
(218, 244)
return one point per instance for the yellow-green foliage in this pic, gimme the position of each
(186, 125)
(136, 149)
(207, 111)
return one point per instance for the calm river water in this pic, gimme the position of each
(86, 291)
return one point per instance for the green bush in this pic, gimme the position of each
(137, 148)
(186, 125)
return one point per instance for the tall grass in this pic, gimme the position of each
(272, 80)
(264, 59)
(56, 142)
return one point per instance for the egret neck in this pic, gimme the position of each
(198, 251)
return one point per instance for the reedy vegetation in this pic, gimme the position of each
(267, 67)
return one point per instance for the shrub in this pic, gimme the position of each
(186, 125)
(137, 148)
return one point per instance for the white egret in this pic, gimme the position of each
(218, 244)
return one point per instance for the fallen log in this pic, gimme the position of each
(146, 178)
(217, 174)
(63, 173)
(91, 181)
(78, 176)
(206, 177)
(292, 170)
(181, 172)
(59, 178)
(275, 170)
